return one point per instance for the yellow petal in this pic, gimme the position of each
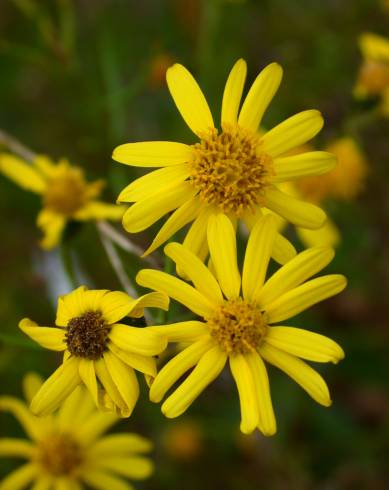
(183, 215)
(96, 424)
(115, 305)
(303, 165)
(299, 371)
(222, 247)
(328, 235)
(52, 226)
(298, 212)
(233, 92)
(90, 299)
(141, 341)
(374, 47)
(66, 416)
(295, 272)
(22, 173)
(177, 366)
(144, 364)
(208, 368)
(152, 153)
(258, 252)
(176, 289)
(196, 271)
(146, 212)
(267, 422)
(304, 296)
(97, 210)
(49, 337)
(134, 467)
(149, 300)
(260, 95)
(121, 444)
(102, 480)
(31, 384)
(20, 478)
(244, 380)
(189, 99)
(16, 447)
(292, 132)
(31, 425)
(113, 402)
(73, 305)
(153, 182)
(190, 331)
(86, 370)
(307, 345)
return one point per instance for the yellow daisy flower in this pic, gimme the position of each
(98, 351)
(68, 451)
(66, 195)
(238, 317)
(235, 171)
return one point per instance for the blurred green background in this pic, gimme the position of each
(79, 78)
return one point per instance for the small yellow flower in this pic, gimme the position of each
(183, 441)
(238, 314)
(98, 351)
(68, 450)
(235, 171)
(65, 194)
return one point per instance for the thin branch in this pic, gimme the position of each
(16, 147)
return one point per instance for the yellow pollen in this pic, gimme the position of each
(238, 326)
(59, 454)
(66, 193)
(230, 170)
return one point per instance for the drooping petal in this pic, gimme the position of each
(141, 341)
(182, 331)
(152, 153)
(189, 99)
(300, 213)
(304, 296)
(49, 337)
(307, 345)
(303, 165)
(149, 300)
(222, 247)
(207, 370)
(144, 364)
(233, 92)
(176, 289)
(292, 132)
(52, 225)
(20, 478)
(22, 173)
(86, 370)
(113, 401)
(115, 305)
(259, 97)
(304, 375)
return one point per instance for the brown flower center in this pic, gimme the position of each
(65, 194)
(230, 170)
(238, 326)
(87, 335)
(59, 454)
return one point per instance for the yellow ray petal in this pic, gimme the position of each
(182, 331)
(260, 95)
(177, 366)
(91, 299)
(23, 174)
(222, 247)
(153, 182)
(146, 212)
(328, 235)
(152, 153)
(66, 416)
(31, 425)
(102, 480)
(258, 252)
(298, 212)
(97, 210)
(113, 402)
(149, 300)
(115, 305)
(31, 384)
(49, 337)
(207, 370)
(233, 92)
(189, 99)
(304, 296)
(134, 467)
(304, 375)
(20, 478)
(144, 364)
(374, 47)
(244, 380)
(52, 226)
(196, 271)
(303, 165)
(73, 305)
(121, 444)
(176, 289)
(292, 132)
(295, 272)
(16, 447)
(307, 345)
(86, 370)
(96, 424)
(141, 341)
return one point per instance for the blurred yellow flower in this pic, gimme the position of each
(235, 171)
(98, 351)
(239, 313)
(183, 440)
(373, 77)
(158, 67)
(66, 195)
(68, 450)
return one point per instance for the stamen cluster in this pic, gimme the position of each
(59, 454)
(87, 335)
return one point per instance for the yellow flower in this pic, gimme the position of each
(68, 450)
(235, 171)
(65, 194)
(238, 315)
(98, 351)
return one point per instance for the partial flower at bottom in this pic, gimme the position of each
(99, 352)
(68, 450)
(242, 321)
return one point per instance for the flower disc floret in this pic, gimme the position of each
(87, 335)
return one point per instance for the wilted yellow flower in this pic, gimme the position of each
(98, 351)
(238, 314)
(66, 195)
(235, 171)
(68, 451)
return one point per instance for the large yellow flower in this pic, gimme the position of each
(238, 314)
(68, 450)
(235, 171)
(65, 194)
(98, 351)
